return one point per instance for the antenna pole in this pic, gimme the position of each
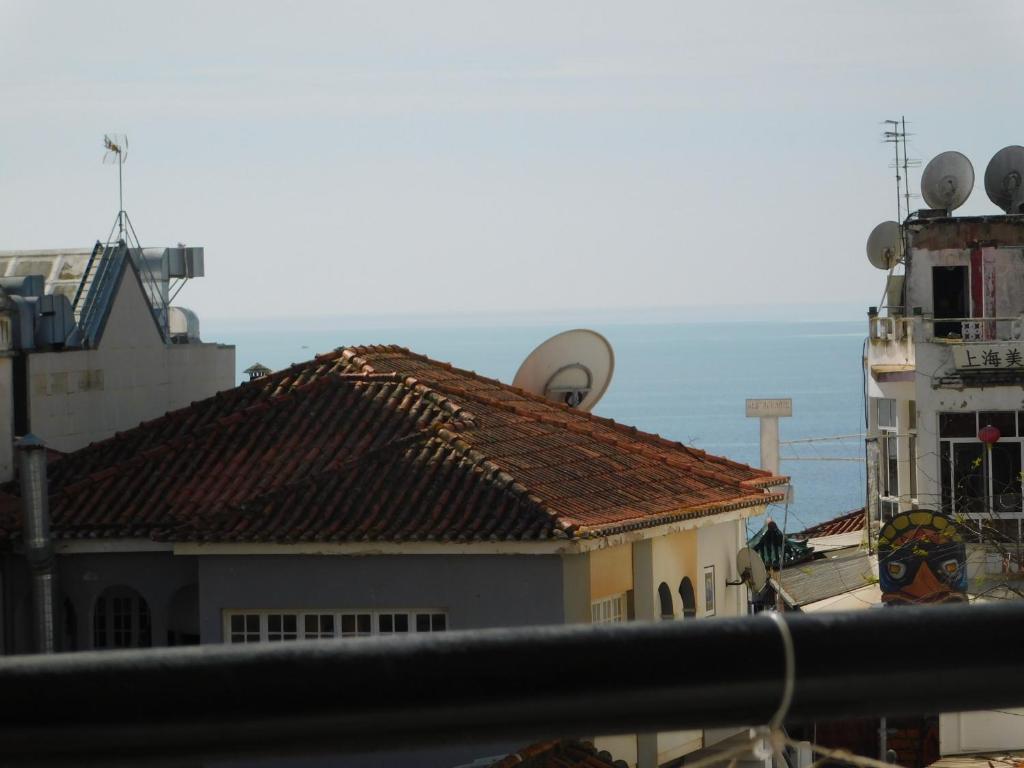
(906, 172)
(896, 134)
(120, 196)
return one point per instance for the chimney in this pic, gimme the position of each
(36, 538)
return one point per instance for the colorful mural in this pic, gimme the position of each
(922, 559)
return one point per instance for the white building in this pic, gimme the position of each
(90, 343)
(944, 361)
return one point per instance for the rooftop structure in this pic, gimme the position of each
(92, 343)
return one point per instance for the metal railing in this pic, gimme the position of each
(495, 685)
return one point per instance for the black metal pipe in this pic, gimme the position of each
(516, 684)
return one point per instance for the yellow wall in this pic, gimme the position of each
(611, 571)
(675, 556)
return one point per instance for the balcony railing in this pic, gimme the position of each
(973, 329)
(517, 684)
(891, 329)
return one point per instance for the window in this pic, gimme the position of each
(280, 626)
(120, 619)
(983, 484)
(709, 590)
(686, 594)
(888, 457)
(668, 610)
(608, 610)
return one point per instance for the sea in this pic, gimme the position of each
(686, 381)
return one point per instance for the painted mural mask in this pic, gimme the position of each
(922, 559)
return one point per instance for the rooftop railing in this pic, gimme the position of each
(517, 684)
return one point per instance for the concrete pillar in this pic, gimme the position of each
(644, 604)
(907, 463)
(770, 444)
(576, 588)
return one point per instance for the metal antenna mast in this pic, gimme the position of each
(896, 134)
(117, 151)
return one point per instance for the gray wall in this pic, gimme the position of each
(157, 576)
(477, 591)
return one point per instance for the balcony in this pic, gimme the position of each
(890, 344)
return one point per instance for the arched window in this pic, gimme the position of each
(120, 619)
(688, 598)
(668, 610)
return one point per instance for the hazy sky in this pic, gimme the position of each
(352, 157)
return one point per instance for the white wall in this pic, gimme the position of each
(968, 732)
(717, 546)
(81, 396)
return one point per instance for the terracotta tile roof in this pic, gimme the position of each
(559, 754)
(381, 444)
(848, 523)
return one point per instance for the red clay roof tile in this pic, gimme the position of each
(381, 444)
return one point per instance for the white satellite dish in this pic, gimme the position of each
(573, 367)
(751, 569)
(1003, 179)
(947, 181)
(885, 245)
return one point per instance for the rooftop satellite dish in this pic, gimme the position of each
(751, 569)
(885, 245)
(1003, 179)
(947, 181)
(572, 367)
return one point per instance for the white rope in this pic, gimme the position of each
(789, 681)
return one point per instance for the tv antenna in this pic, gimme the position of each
(896, 134)
(116, 145)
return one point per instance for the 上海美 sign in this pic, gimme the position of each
(780, 406)
(989, 357)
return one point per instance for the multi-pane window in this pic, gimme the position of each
(608, 610)
(983, 483)
(282, 626)
(277, 626)
(888, 455)
(120, 619)
(244, 628)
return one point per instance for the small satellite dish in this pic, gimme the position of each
(573, 367)
(947, 181)
(1003, 179)
(885, 245)
(751, 569)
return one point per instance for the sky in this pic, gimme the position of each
(357, 158)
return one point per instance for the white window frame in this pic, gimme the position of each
(946, 477)
(888, 443)
(330, 623)
(608, 610)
